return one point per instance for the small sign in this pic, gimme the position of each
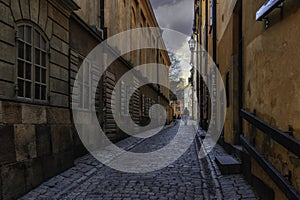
(267, 8)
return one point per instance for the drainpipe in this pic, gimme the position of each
(206, 24)
(200, 88)
(214, 7)
(205, 109)
(240, 63)
(102, 22)
(214, 21)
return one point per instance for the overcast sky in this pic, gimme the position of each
(176, 15)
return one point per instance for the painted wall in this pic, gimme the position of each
(271, 81)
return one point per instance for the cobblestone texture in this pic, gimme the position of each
(187, 178)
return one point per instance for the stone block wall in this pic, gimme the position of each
(33, 148)
(36, 139)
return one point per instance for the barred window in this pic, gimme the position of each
(31, 64)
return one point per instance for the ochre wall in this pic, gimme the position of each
(225, 51)
(271, 80)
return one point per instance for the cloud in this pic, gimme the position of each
(158, 3)
(174, 14)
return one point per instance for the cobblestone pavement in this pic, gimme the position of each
(187, 178)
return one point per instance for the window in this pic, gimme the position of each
(31, 64)
(84, 86)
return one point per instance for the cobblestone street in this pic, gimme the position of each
(187, 178)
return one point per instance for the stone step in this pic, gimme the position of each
(228, 165)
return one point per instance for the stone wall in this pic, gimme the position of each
(36, 144)
(36, 139)
(125, 15)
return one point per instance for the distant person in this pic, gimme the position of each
(179, 117)
(186, 115)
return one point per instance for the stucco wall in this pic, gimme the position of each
(271, 80)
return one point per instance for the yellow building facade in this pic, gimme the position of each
(112, 17)
(258, 61)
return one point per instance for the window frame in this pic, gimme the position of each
(42, 36)
(83, 84)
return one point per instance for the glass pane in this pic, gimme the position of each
(28, 52)
(80, 71)
(37, 91)
(27, 89)
(44, 59)
(20, 50)
(37, 57)
(20, 88)
(43, 75)
(28, 71)
(28, 34)
(80, 95)
(21, 32)
(43, 93)
(86, 73)
(43, 44)
(36, 39)
(37, 74)
(86, 97)
(20, 69)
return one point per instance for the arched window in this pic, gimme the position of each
(31, 64)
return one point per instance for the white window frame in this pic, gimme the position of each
(32, 79)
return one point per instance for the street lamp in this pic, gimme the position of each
(192, 44)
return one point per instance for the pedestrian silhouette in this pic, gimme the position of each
(186, 115)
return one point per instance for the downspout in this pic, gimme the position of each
(214, 30)
(240, 63)
(200, 88)
(214, 21)
(205, 119)
(102, 22)
(206, 25)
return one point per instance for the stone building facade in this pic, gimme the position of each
(113, 18)
(43, 43)
(259, 67)
(36, 128)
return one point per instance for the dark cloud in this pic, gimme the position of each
(174, 14)
(158, 3)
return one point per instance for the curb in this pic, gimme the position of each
(217, 187)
